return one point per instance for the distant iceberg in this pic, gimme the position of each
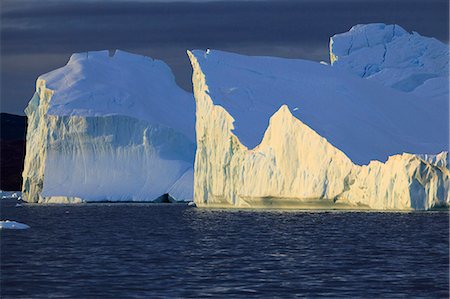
(12, 225)
(275, 132)
(109, 128)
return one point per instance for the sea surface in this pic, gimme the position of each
(172, 250)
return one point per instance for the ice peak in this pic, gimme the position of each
(284, 109)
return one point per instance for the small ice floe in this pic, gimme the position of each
(12, 225)
(324, 62)
(295, 109)
(191, 204)
(10, 194)
(18, 205)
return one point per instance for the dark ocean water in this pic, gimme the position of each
(159, 251)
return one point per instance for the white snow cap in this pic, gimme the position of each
(97, 84)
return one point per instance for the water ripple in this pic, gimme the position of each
(148, 251)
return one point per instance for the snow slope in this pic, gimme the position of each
(310, 152)
(109, 128)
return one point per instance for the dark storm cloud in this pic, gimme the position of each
(39, 36)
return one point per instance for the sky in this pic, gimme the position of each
(37, 36)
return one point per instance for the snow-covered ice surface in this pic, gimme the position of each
(405, 61)
(391, 55)
(12, 225)
(324, 124)
(109, 128)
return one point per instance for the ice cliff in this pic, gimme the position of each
(275, 132)
(109, 128)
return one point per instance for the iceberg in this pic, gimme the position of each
(10, 194)
(109, 128)
(286, 133)
(7, 224)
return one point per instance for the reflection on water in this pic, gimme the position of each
(145, 250)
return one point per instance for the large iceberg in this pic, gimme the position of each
(275, 132)
(109, 128)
